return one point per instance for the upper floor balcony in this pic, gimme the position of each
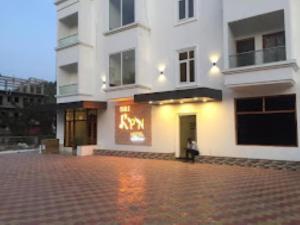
(258, 52)
(68, 31)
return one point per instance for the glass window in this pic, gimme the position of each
(81, 129)
(128, 12)
(115, 70)
(182, 9)
(249, 105)
(1, 100)
(267, 121)
(186, 9)
(285, 102)
(122, 68)
(187, 66)
(121, 13)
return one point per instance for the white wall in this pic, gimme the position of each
(157, 40)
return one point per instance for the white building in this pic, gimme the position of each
(146, 75)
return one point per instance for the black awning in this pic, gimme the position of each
(83, 105)
(177, 95)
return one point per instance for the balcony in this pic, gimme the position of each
(259, 57)
(68, 90)
(68, 41)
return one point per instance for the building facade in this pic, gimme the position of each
(146, 75)
(15, 95)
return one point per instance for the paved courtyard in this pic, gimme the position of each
(64, 190)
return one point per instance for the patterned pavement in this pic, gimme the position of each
(64, 190)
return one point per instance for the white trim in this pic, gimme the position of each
(267, 66)
(127, 87)
(126, 27)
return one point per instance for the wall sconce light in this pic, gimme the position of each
(161, 69)
(214, 63)
(103, 82)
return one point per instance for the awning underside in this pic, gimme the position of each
(180, 96)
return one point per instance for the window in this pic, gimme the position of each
(16, 99)
(267, 121)
(80, 127)
(245, 52)
(187, 66)
(186, 9)
(121, 13)
(39, 90)
(122, 68)
(274, 47)
(1, 100)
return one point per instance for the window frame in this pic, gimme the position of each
(121, 17)
(186, 18)
(135, 68)
(264, 111)
(187, 61)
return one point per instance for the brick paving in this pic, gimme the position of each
(64, 190)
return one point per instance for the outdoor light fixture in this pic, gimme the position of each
(103, 82)
(161, 69)
(150, 102)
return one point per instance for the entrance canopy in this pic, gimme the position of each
(180, 96)
(83, 105)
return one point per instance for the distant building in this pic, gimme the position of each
(16, 94)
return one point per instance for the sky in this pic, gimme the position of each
(28, 38)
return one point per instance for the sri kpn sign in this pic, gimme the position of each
(133, 124)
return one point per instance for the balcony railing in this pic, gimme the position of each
(67, 41)
(259, 57)
(70, 89)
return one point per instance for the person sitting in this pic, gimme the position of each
(191, 150)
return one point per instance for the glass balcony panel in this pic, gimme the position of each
(259, 57)
(70, 89)
(68, 41)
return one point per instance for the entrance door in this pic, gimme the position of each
(187, 129)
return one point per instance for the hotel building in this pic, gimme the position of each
(146, 75)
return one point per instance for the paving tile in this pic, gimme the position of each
(104, 190)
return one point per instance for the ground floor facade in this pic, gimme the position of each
(259, 123)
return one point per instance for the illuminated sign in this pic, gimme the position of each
(133, 124)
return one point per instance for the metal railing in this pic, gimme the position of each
(70, 89)
(259, 57)
(67, 41)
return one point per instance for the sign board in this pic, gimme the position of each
(133, 124)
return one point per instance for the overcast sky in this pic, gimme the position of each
(28, 38)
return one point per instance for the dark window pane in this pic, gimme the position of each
(183, 56)
(245, 52)
(278, 129)
(182, 9)
(114, 14)
(287, 102)
(191, 8)
(115, 70)
(249, 105)
(128, 12)
(191, 54)
(192, 71)
(183, 72)
(128, 67)
(1, 100)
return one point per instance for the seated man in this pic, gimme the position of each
(192, 149)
